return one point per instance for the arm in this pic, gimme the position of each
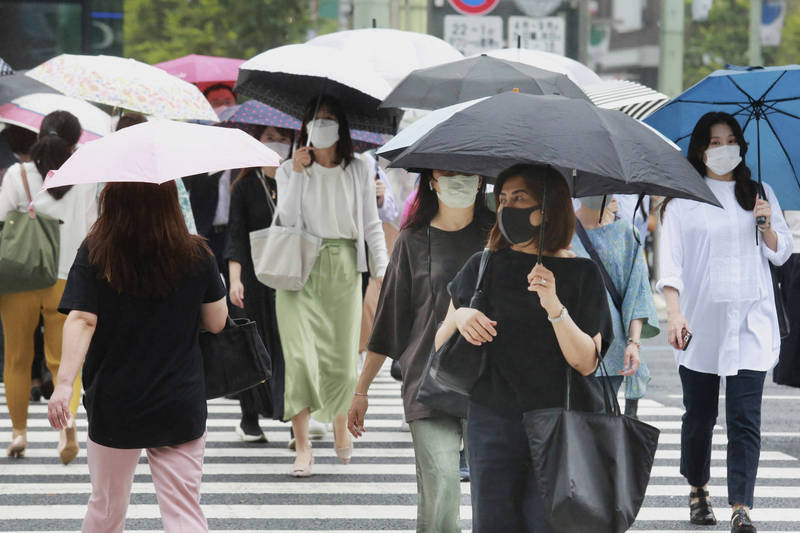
(388, 210)
(777, 239)
(214, 316)
(671, 268)
(473, 325)
(8, 192)
(676, 322)
(78, 331)
(632, 357)
(289, 184)
(237, 287)
(360, 404)
(373, 227)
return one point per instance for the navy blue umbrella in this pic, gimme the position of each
(766, 102)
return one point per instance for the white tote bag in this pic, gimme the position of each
(283, 256)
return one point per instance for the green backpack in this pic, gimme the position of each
(29, 246)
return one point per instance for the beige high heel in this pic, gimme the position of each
(303, 471)
(68, 442)
(19, 441)
(346, 453)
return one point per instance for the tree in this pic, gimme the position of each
(158, 30)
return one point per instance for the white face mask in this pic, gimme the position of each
(282, 149)
(723, 159)
(323, 132)
(458, 191)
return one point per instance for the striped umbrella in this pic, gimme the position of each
(5, 68)
(633, 99)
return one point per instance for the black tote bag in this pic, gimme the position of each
(592, 469)
(235, 359)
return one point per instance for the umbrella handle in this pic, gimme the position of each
(541, 225)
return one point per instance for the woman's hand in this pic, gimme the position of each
(762, 209)
(632, 360)
(58, 407)
(380, 191)
(474, 326)
(676, 323)
(237, 293)
(543, 282)
(302, 158)
(356, 414)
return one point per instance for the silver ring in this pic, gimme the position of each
(543, 281)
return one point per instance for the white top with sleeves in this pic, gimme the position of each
(793, 220)
(710, 256)
(77, 209)
(337, 203)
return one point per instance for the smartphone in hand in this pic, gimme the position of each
(686, 335)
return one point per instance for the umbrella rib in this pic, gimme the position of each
(785, 152)
(749, 98)
(773, 85)
(782, 112)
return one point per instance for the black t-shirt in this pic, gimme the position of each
(143, 373)
(412, 303)
(526, 369)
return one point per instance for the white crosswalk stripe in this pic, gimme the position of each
(246, 487)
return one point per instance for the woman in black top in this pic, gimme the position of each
(449, 223)
(140, 289)
(541, 319)
(253, 200)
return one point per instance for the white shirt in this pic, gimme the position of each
(710, 256)
(793, 220)
(329, 207)
(77, 210)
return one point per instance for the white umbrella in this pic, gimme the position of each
(124, 83)
(393, 54)
(288, 77)
(160, 151)
(28, 112)
(576, 71)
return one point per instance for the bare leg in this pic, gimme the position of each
(303, 443)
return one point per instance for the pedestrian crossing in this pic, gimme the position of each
(246, 487)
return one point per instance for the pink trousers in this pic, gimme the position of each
(176, 472)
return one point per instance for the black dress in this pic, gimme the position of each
(787, 372)
(250, 210)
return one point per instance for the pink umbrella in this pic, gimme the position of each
(204, 70)
(160, 151)
(28, 112)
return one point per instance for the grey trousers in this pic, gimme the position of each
(437, 442)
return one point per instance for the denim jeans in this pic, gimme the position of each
(437, 443)
(505, 495)
(743, 413)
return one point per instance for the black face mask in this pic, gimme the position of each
(515, 224)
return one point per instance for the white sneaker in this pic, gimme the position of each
(317, 430)
(404, 427)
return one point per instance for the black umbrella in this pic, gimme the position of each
(599, 151)
(16, 85)
(476, 77)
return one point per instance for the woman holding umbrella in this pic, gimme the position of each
(319, 325)
(716, 280)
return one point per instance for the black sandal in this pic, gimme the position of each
(740, 522)
(700, 512)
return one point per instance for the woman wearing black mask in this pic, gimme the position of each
(541, 319)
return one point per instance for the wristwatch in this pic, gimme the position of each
(561, 316)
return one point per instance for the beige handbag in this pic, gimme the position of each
(283, 256)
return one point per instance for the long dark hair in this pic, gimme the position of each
(745, 188)
(426, 204)
(344, 146)
(58, 135)
(140, 244)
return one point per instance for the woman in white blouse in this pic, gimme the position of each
(715, 277)
(320, 325)
(76, 207)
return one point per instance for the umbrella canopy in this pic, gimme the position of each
(252, 114)
(5, 68)
(393, 54)
(161, 150)
(29, 111)
(204, 71)
(288, 77)
(575, 70)
(476, 77)
(598, 151)
(126, 84)
(766, 103)
(634, 99)
(16, 85)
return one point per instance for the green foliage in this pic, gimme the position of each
(723, 38)
(158, 30)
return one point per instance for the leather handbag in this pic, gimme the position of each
(592, 469)
(29, 248)
(283, 256)
(431, 392)
(235, 359)
(457, 364)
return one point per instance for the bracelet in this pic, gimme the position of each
(764, 227)
(631, 340)
(561, 316)
(364, 394)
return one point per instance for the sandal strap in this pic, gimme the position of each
(740, 518)
(702, 504)
(700, 493)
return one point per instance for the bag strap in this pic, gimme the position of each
(587, 244)
(31, 210)
(610, 401)
(482, 269)
(263, 179)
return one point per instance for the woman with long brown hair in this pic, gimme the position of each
(140, 289)
(76, 207)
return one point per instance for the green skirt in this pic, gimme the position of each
(319, 328)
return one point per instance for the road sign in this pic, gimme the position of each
(545, 33)
(474, 7)
(472, 35)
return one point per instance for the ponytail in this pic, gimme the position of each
(59, 132)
